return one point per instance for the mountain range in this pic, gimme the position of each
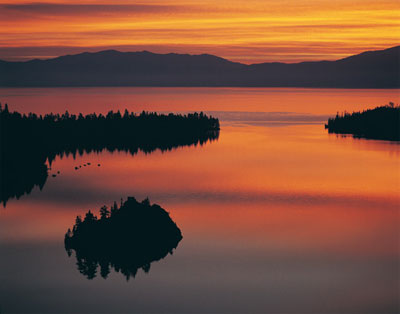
(371, 69)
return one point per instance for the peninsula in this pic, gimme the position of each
(381, 123)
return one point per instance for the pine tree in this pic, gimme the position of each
(104, 213)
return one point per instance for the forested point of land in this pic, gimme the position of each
(381, 123)
(29, 143)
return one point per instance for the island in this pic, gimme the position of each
(29, 143)
(125, 238)
(381, 123)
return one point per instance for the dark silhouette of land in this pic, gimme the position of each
(372, 69)
(126, 238)
(381, 123)
(28, 142)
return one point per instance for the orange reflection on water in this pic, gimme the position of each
(327, 230)
(281, 170)
(103, 99)
(256, 161)
(275, 207)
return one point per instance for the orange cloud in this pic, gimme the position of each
(247, 31)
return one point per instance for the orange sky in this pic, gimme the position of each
(247, 31)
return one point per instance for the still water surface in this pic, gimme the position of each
(277, 216)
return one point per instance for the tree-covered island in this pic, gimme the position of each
(125, 238)
(381, 123)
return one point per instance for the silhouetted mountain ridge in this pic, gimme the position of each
(371, 69)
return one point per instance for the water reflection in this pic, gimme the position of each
(268, 214)
(29, 144)
(126, 238)
(28, 169)
(101, 99)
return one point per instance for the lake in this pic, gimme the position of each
(277, 215)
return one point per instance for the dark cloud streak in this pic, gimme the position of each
(42, 8)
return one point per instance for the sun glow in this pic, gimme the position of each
(245, 31)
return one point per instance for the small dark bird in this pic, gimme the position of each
(76, 168)
(58, 172)
(98, 165)
(88, 163)
(84, 165)
(54, 175)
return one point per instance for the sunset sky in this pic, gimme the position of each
(247, 31)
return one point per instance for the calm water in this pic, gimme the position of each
(277, 216)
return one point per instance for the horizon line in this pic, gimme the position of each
(182, 54)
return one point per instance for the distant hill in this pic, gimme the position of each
(372, 69)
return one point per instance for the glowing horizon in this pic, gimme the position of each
(244, 31)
